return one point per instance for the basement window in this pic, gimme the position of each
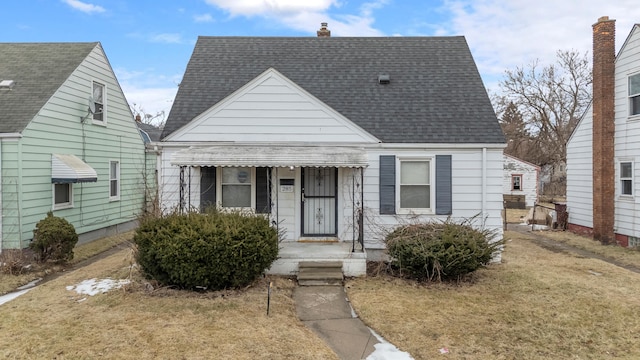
(626, 178)
(634, 95)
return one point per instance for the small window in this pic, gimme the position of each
(236, 187)
(415, 184)
(98, 101)
(114, 180)
(634, 242)
(634, 94)
(626, 178)
(62, 196)
(516, 182)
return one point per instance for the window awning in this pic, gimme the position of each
(272, 156)
(67, 168)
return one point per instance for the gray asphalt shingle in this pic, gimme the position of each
(38, 69)
(436, 94)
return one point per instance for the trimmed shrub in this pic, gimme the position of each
(440, 251)
(54, 239)
(213, 250)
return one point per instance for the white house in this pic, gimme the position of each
(337, 139)
(603, 153)
(520, 178)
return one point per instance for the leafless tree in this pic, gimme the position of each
(550, 101)
(158, 119)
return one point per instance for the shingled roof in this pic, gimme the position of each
(38, 70)
(435, 94)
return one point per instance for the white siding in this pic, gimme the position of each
(529, 173)
(579, 173)
(627, 137)
(467, 187)
(272, 109)
(467, 191)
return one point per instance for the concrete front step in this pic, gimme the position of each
(312, 273)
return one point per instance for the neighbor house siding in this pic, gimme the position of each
(11, 185)
(57, 128)
(580, 173)
(627, 137)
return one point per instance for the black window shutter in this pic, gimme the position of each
(443, 185)
(387, 184)
(207, 187)
(263, 191)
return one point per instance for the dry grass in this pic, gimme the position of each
(535, 305)
(52, 322)
(623, 255)
(516, 216)
(82, 252)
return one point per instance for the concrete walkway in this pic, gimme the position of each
(326, 311)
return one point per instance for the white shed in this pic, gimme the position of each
(520, 178)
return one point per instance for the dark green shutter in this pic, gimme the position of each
(387, 184)
(443, 185)
(207, 187)
(263, 191)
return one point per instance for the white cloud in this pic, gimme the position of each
(203, 18)
(306, 16)
(152, 92)
(84, 7)
(266, 7)
(169, 38)
(505, 34)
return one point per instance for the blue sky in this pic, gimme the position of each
(149, 42)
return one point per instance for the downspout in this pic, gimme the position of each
(484, 182)
(1, 208)
(19, 193)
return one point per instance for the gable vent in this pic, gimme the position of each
(7, 84)
(384, 79)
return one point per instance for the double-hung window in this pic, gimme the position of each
(516, 182)
(62, 196)
(415, 184)
(98, 102)
(236, 187)
(626, 178)
(114, 180)
(634, 95)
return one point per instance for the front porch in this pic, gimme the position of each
(354, 263)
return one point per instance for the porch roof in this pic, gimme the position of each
(272, 156)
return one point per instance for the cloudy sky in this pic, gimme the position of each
(149, 42)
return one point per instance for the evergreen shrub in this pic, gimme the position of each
(54, 239)
(213, 250)
(440, 250)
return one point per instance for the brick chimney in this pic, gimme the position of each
(323, 32)
(603, 130)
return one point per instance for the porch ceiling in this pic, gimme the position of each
(272, 156)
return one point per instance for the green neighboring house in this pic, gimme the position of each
(68, 143)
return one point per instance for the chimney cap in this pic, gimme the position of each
(323, 32)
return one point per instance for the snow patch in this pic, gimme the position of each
(93, 287)
(387, 351)
(8, 297)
